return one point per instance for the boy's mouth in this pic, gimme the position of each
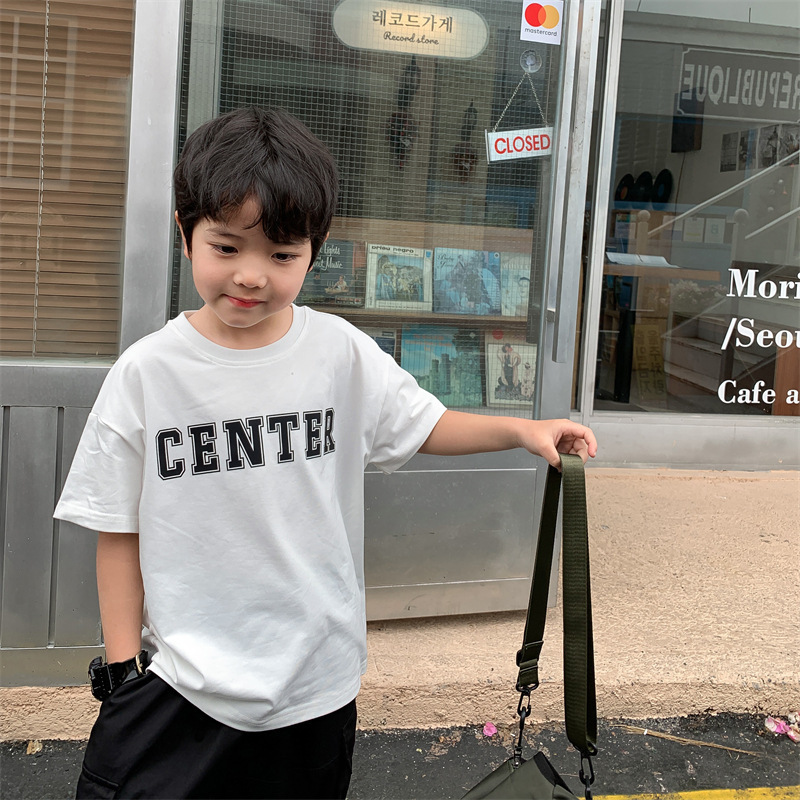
(241, 302)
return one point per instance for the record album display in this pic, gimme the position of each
(399, 278)
(662, 188)
(515, 284)
(446, 361)
(510, 369)
(643, 188)
(385, 338)
(624, 190)
(466, 281)
(333, 280)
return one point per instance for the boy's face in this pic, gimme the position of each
(247, 281)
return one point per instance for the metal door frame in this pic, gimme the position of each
(49, 621)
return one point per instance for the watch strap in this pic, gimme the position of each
(105, 678)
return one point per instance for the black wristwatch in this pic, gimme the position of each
(104, 678)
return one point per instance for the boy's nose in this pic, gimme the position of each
(250, 277)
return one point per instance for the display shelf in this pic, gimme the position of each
(377, 316)
(429, 235)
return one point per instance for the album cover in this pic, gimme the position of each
(693, 228)
(674, 231)
(510, 370)
(385, 337)
(446, 361)
(714, 230)
(729, 153)
(788, 140)
(768, 138)
(747, 149)
(515, 284)
(333, 279)
(399, 278)
(466, 281)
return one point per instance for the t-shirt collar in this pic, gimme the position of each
(228, 355)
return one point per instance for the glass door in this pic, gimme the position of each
(447, 122)
(690, 305)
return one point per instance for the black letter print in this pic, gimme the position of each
(239, 440)
(330, 445)
(204, 448)
(163, 440)
(284, 424)
(313, 420)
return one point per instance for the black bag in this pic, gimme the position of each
(536, 779)
(530, 779)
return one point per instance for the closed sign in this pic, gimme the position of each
(527, 143)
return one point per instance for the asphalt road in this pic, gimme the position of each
(444, 763)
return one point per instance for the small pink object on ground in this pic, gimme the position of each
(776, 725)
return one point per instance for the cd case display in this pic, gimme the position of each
(446, 361)
(399, 278)
(334, 278)
(386, 339)
(515, 284)
(510, 370)
(466, 281)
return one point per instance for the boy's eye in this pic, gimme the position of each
(225, 249)
(285, 256)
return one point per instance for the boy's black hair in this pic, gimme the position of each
(266, 154)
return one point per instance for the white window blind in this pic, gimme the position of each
(64, 100)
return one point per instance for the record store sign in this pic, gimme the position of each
(414, 28)
(746, 86)
(526, 143)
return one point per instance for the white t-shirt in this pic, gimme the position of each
(243, 473)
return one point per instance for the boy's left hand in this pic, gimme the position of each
(549, 437)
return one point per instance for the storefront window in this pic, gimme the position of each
(436, 252)
(701, 285)
(64, 95)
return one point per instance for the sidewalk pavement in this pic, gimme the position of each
(695, 606)
(694, 580)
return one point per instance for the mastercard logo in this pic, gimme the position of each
(539, 16)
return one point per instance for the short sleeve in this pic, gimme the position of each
(407, 417)
(104, 485)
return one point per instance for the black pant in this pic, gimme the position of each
(150, 742)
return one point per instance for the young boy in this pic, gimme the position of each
(223, 462)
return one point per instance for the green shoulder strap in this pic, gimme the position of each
(579, 683)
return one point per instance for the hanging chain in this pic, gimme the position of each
(514, 94)
(536, 97)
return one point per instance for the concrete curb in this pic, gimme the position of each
(68, 713)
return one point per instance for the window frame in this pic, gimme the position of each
(647, 439)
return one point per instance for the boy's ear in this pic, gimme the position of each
(186, 250)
